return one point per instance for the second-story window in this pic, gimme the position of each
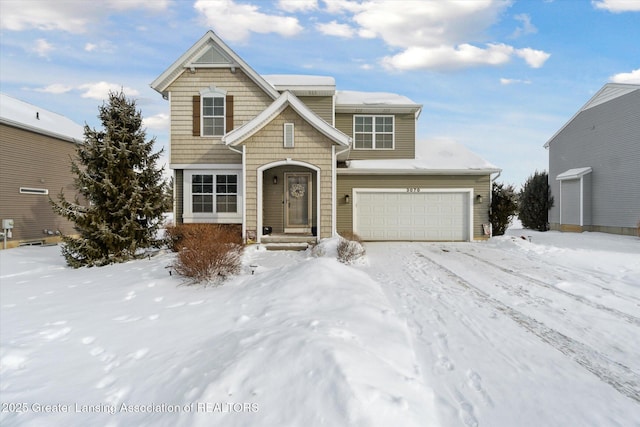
(373, 132)
(213, 115)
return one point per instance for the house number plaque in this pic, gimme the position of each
(413, 190)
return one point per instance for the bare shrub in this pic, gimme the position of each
(349, 247)
(206, 252)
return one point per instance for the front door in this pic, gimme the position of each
(297, 202)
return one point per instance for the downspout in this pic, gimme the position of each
(244, 190)
(334, 209)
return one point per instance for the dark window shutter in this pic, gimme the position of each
(196, 115)
(229, 113)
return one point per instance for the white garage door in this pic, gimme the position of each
(389, 215)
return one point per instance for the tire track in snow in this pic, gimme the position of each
(617, 313)
(619, 376)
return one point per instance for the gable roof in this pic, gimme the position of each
(209, 52)
(608, 92)
(240, 134)
(14, 112)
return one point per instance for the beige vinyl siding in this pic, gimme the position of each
(266, 146)
(346, 183)
(248, 101)
(36, 161)
(405, 138)
(321, 105)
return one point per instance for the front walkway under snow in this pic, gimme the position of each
(508, 332)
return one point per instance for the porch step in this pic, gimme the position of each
(286, 246)
(287, 242)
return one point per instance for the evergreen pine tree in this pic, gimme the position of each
(125, 196)
(504, 206)
(535, 202)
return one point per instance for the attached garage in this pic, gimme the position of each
(413, 214)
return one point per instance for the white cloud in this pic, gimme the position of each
(154, 6)
(449, 57)
(535, 58)
(633, 77)
(235, 22)
(505, 82)
(433, 34)
(158, 122)
(333, 28)
(56, 88)
(72, 16)
(43, 47)
(90, 47)
(617, 6)
(100, 90)
(526, 28)
(297, 5)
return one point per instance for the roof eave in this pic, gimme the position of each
(359, 171)
(29, 128)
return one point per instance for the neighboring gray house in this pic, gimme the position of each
(594, 164)
(37, 146)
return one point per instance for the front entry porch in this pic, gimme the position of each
(289, 204)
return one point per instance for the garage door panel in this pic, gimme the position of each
(437, 216)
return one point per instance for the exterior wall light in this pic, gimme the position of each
(275, 179)
(479, 198)
(347, 199)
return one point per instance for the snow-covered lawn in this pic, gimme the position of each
(509, 332)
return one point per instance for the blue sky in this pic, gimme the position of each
(499, 77)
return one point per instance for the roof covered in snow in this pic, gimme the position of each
(436, 156)
(21, 114)
(302, 85)
(347, 100)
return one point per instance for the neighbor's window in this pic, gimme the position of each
(213, 115)
(226, 193)
(373, 132)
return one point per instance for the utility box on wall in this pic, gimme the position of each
(7, 224)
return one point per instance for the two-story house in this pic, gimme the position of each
(289, 154)
(37, 146)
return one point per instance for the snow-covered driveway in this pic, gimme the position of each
(512, 332)
(508, 332)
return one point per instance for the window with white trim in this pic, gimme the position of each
(225, 193)
(202, 193)
(373, 132)
(213, 116)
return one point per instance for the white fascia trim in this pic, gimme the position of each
(162, 82)
(379, 109)
(355, 192)
(205, 166)
(347, 171)
(244, 191)
(240, 134)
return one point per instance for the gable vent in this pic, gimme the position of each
(288, 135)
